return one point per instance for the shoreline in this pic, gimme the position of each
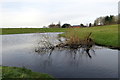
(10, 72)
(110, 47)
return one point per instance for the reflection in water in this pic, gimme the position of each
(49, 51)
(73, 55)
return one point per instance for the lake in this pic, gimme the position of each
(19, 50)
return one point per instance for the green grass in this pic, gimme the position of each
(14, 72)
(103, 35)
(30, 30)
(0, 73)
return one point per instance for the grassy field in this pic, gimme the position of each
(14, 72)
(102, 35)
(30, 30)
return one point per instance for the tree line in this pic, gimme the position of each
(105, 20)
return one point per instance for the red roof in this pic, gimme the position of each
(75, 26)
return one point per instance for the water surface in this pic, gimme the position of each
(19, 50)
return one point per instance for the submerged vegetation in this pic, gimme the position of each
(14, 72)
(73, 43)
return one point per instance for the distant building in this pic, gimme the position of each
(75, 26)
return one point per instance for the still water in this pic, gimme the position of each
(19, 50)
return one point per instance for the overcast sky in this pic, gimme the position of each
(39, 13)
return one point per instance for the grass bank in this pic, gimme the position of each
(30, 30)
(102, 35)
(14, 72)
